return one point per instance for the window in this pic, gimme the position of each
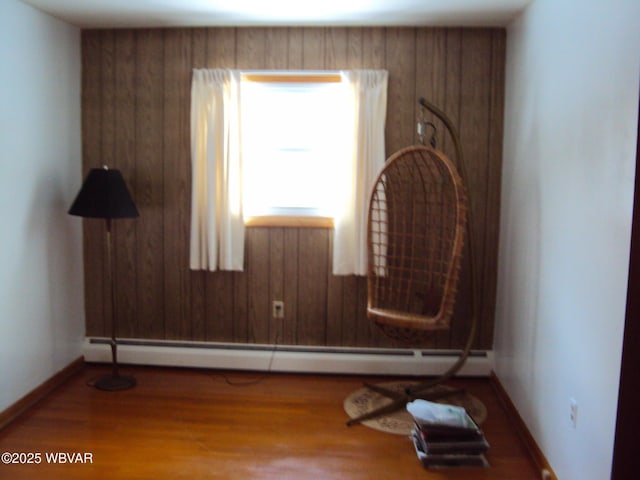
(294, 136)
(288, 159)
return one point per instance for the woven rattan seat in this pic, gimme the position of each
(416, 231)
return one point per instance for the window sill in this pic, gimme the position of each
(289, 221)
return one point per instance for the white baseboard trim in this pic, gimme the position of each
(283, 358)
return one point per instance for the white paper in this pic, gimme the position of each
(429, 412)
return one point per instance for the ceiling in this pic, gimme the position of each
(180, 13)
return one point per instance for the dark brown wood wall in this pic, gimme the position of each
(135, 104)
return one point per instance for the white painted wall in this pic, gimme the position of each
(41, 286)
(572, 76)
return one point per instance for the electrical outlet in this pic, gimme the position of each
(573, 412)
(277, 309)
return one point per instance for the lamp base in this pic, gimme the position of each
(112, 383)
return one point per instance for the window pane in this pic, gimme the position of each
(293, 136)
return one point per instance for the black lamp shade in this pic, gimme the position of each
(104, 195)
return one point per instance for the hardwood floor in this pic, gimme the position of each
(193, 424)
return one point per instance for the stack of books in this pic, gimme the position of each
(446, 436)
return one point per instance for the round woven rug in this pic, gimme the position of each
(400, 422)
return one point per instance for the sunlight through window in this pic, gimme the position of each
(294, 133)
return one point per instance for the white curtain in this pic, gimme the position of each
(217, 226)
(369, 95)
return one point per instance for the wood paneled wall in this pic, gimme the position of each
(136, 102)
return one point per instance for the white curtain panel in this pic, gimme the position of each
(217, 225)
(354, 183)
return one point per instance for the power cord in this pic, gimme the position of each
(262, 377)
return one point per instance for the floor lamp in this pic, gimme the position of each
(105, 195)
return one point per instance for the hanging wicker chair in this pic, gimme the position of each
(417, 226)
(416, 230)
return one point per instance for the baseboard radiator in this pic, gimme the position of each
(284, 358)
